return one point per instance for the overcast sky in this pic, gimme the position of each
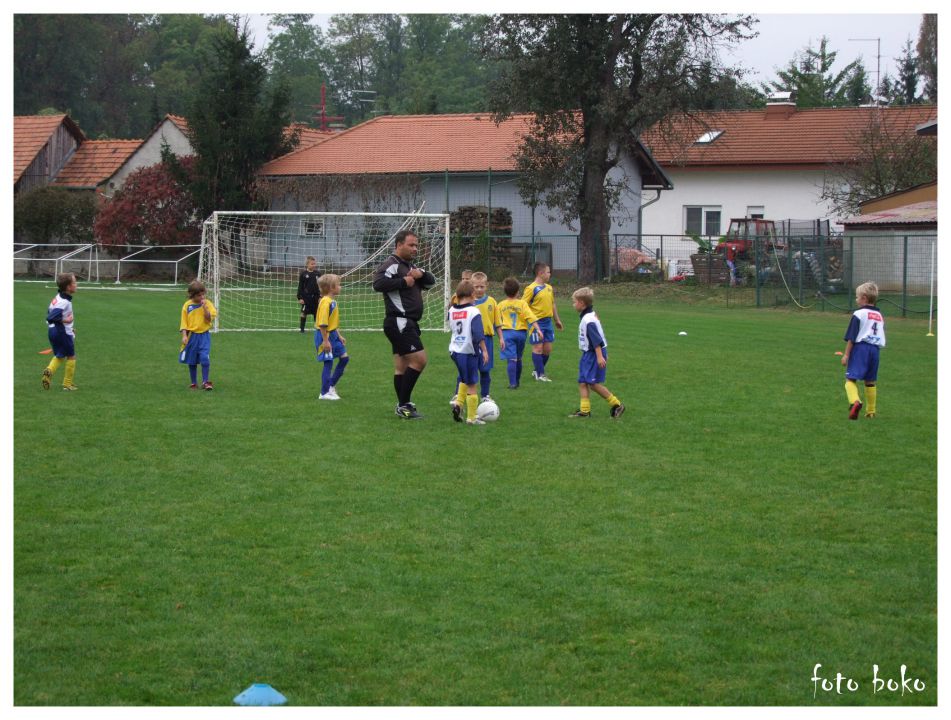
(851, 35)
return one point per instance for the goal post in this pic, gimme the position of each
(251, 262)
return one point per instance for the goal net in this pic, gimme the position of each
(251, 263)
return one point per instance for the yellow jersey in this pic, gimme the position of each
(514, 314)
(328, 314)
(486, 305)
(541, 299)
(193, 317)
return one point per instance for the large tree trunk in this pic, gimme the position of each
(593, 216)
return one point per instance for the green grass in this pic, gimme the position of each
(732, 530)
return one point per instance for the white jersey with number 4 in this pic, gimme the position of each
(460, 329)
(584, 343)
(871, 326)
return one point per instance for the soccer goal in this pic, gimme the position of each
(251, 262)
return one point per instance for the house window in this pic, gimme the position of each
(702, 220)
(757, 212)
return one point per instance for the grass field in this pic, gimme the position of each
(710, 547)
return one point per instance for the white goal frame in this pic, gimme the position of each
(250, 262)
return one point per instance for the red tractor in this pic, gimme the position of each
(738, 241)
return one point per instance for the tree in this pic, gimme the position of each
(928, 55)
(297, 56)
(49, 214)
(810, 75)
(354, 42)
(153, 207)
(594, 83)
(889, 157)
(724, 89)
(905, 90)
(235, 123)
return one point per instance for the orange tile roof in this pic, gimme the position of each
(94, 162)
(410, 144)
(309, 136)
(30, 133)
(815, 136)
(178, 120)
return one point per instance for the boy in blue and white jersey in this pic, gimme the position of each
(467, 338)
(863, 338)
(59, 323)
(592, 369)
(329, 341)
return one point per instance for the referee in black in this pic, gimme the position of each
(308, 293)
(402, 285)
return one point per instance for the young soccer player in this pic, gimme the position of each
(330, 343)
(308, 294)
(198, 312)
(490, 327)
(514, 318)
(863, 338)
(540, 297)
(62, 334)
(467, 341)
(464, 275)
(592, 368)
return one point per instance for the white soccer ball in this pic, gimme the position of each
(488, 411)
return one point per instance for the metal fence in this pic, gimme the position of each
(99, 263)
(818, 271)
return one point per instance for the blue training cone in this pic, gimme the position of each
(260, 694)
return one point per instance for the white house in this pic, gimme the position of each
(768, 163)
(394, 163)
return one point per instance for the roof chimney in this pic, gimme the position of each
(780, 105)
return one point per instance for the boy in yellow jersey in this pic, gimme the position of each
(198, 313)
(328, 340)
(466, 275)
(592, 368)
(514, 319)
(490, 326)
(540, 297)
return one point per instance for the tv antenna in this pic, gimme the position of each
(324, 118)
(878, 62)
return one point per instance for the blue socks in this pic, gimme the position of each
(538, 361)
(329, 377)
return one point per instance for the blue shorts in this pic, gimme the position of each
(337, 348)
(490, 350)
(547, 327)
(863, 363)
(588, 370)
(514, 344)
(61, 342)
(198, 349)
(468, 366)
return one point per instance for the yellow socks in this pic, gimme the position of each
(472, 405)
(852, 391)
(54, 365)
(70, 371)
(461, 394)
(613, 401)
(871, 395)
(585, 405)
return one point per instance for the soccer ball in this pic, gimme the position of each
(488, 411)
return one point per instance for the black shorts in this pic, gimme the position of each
(310, 306)
(403, 334)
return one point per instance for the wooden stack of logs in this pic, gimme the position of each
(481, 239)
